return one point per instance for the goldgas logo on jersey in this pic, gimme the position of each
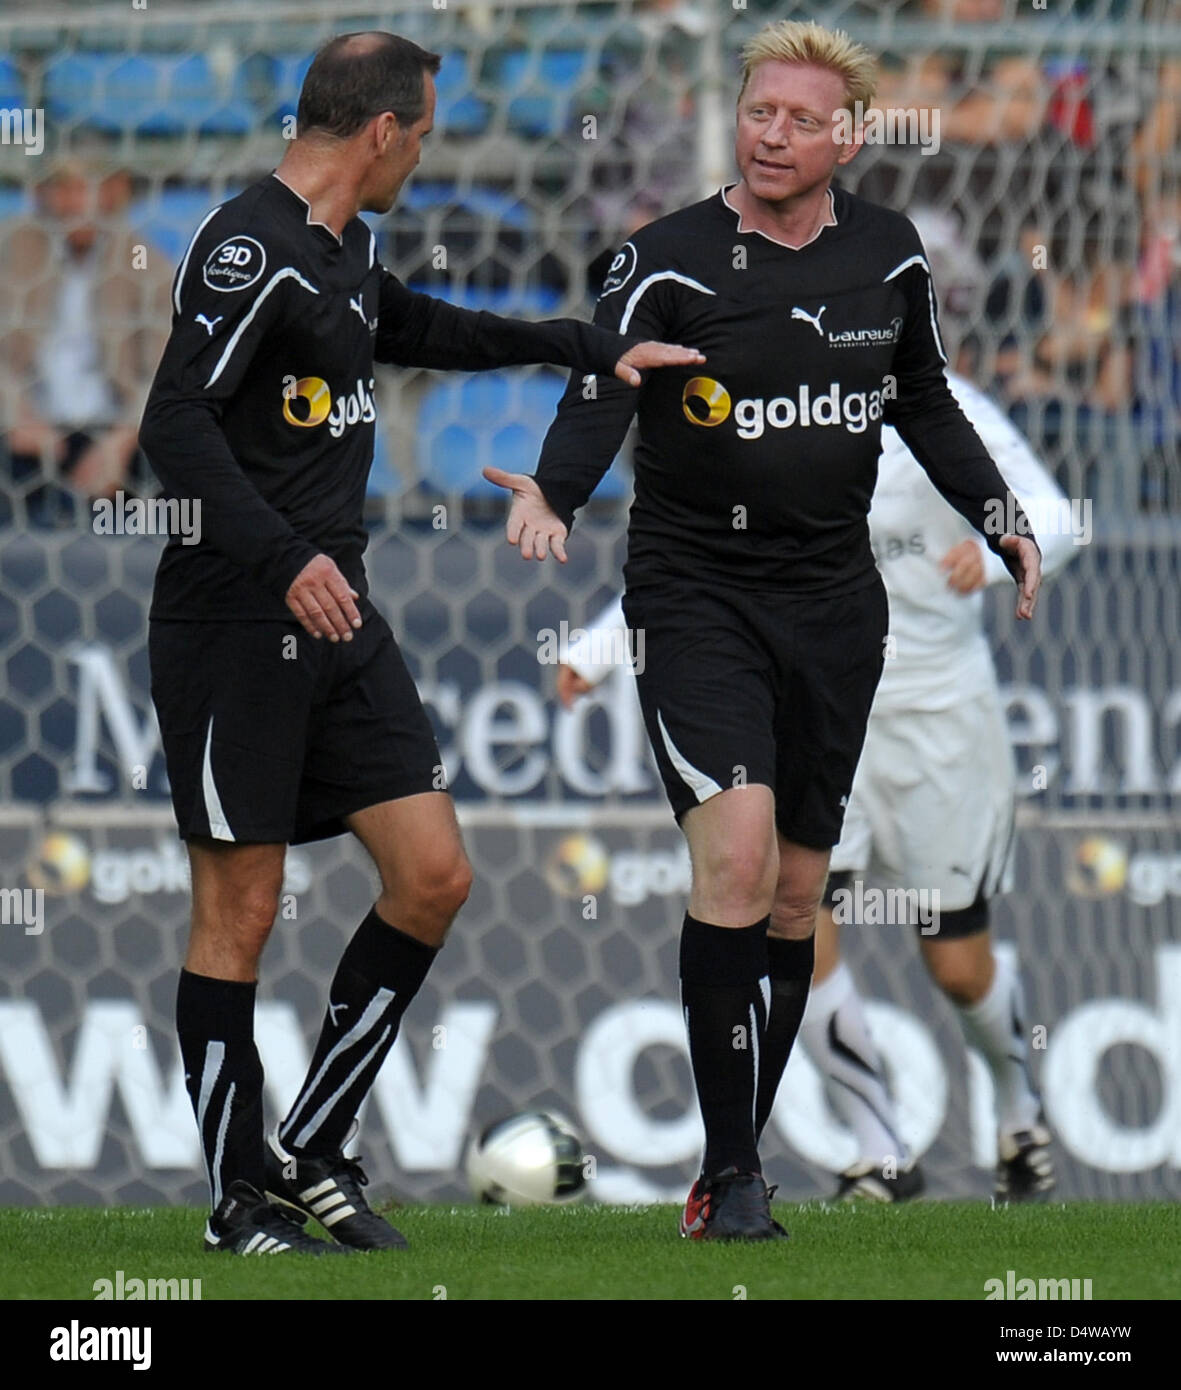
(317, 400)
(234, 265)
(707, 402)
(308, 402)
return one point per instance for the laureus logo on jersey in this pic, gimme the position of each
(707, 402)
(850, 337)
(308, 402)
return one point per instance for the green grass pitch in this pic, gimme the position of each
(929, 1250)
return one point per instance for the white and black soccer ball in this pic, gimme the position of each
(527, 1160)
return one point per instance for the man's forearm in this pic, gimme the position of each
(189, 454)
(416, 330)
(955, 459)
(582, 443)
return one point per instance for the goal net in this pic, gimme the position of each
(1037, 150)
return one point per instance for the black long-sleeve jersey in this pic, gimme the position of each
(262, 407)
(757, 468)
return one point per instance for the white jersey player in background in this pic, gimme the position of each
(932, 805)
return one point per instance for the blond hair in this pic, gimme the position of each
(805, 41)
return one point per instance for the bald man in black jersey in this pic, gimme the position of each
(749, 568)
(286, 710)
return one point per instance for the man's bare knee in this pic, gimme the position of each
(739, 870)
(435, 887)
(794, 918)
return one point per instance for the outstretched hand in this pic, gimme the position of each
(650, 354)
(532, 526)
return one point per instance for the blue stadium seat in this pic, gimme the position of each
(541, 104)
(289, 74)
(12, 87)
(458, 111)
(161, 96)
(75, 86)
(204, 103)
(524, 303)
(503, 208)
(384, 479)
(14, 201)
(170, 217)
(492, 419)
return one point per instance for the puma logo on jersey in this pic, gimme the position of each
(332, 1008)
(209, 324)
(813, 319)
(359, 305)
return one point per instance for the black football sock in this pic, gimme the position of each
(723, 983)
(790, 964)
(379, 974)
(223, 1076)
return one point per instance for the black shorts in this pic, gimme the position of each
(740, 688)
(273, 737)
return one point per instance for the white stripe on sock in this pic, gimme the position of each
(215, 1055)
(368, 1020)
(219, 1150)
(310, 1129)
(754, 1044)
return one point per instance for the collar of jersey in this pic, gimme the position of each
(746, 231)
(275, 175)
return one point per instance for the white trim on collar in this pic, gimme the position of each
(832, 211)
(304, 201)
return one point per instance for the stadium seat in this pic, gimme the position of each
(505, 209)
(458, 111)
(545, 88)
(14, 201)
(12, 86)
(529, 302)
(149, 96)
(207, 104)
(384, 480)
(493, 419)
(289, 73)
(171, 217)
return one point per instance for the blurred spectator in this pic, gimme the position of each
(84, 313)
(649, 164)
(1156, 369)
(961, 280)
